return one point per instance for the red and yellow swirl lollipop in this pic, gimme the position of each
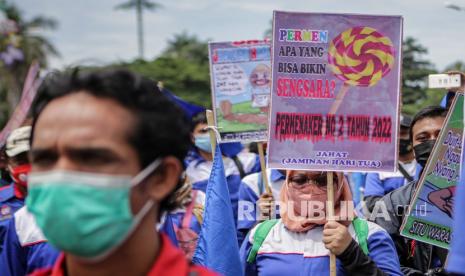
(360, 56)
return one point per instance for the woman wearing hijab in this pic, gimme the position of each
(188, 217)
(301, 241)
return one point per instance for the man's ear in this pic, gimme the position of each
(162, 183)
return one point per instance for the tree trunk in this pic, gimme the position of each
(13, 93)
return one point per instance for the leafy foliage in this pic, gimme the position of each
(139, 6)
(415, 70)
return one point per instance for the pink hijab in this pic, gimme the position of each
(302, 209)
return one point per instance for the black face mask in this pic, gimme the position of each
(5, 176)
(405, 146)
(423, 151)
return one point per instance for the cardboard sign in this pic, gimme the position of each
(430, 214)
(241, 81)
(335, 92)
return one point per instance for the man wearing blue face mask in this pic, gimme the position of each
(106, 153)
(416, 258)
(245, 162)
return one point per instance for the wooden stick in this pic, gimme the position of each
(330, 216)
(261, 153)
(339, 98)
(211, 123)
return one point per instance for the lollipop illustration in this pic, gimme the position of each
(359, 56)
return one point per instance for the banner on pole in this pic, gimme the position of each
(430, 216)
(241, 80)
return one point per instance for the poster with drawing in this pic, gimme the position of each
(430, 216)
(241, 80)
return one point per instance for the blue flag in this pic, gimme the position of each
(217, 246)
(168, 229)
(457, 252)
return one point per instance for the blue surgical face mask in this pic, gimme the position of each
(87, 215)
(202, 141)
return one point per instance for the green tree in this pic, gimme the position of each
(269, 32)
(187, 47)
(415, 70)
(31, 43)
(139, 6)
(183, 68)
(456, 66)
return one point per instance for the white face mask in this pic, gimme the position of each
(86, 214)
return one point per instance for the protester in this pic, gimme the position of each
(106, 152)
(300, 242)
(23, 247)
(379, 184)
(245, 162)
(199, 162)
(5, 178)
(415, 257)
(12, 196)
(253, 195)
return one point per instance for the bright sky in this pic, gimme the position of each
(93, 32)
